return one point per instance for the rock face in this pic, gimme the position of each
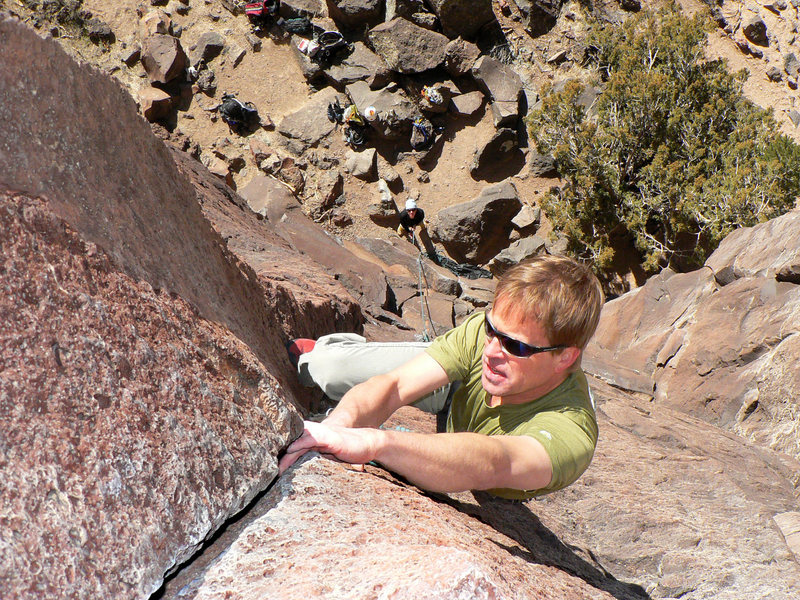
(725, 354)
(674, 529)
(406, 47)
(117, 405)
(126, 387)
(442, 555)
(475, 231)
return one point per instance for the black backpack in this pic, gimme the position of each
(235, 113)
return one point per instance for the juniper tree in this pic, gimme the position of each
(671, 154)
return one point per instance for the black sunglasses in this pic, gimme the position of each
(515, 347)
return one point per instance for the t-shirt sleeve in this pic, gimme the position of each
(458, 349)
(568, 438)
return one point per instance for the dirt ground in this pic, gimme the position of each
(272, 80)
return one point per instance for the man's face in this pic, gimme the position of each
(412, 212)
(517, 380)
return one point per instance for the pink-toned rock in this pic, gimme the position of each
(155, 103)
(637, 330)
(126, 438)
(401, 545)
(770, 249)
(734, 366)
(122, 352)
(671, 507)
(163, 58)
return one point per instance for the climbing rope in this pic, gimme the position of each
(424, 308)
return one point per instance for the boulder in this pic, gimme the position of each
(431, 313)
(462, 18)
(153, 22)
(208, 46)
(355, 13)
(310, 124)
(540, 165)
(504, 113)
(467, 104)
(499, 81)
(791, 65)
(515, 253)
(404, 8)
(755, 30)
(163, 58)
(460, 56)
(311, 70)
(384, 211)
(426, 20)
(501, 147)
(156, 104)
(406, 47)
(502, 84)
(527, 217)
(395, 111)
(770, 249)
(360, 65)
(539, 16)
(292, 9)
(477, 230)
(388, 173)
(98, 31)
(361, 164)
(130, 53)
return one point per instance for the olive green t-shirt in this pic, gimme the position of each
(563, 420)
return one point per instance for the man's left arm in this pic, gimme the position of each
(441, 462)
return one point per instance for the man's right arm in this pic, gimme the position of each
(369, 404)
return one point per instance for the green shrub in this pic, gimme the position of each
(671, 155)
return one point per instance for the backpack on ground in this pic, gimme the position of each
(237, 114)
(265, 8)
(298, 25)
(331, 43)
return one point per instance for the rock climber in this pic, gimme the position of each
(520, 419)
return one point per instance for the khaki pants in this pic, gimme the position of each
(341, 360)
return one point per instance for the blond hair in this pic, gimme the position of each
(564, 296)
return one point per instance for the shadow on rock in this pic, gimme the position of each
(539, 545)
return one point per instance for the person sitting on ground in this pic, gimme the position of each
(520, 420)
